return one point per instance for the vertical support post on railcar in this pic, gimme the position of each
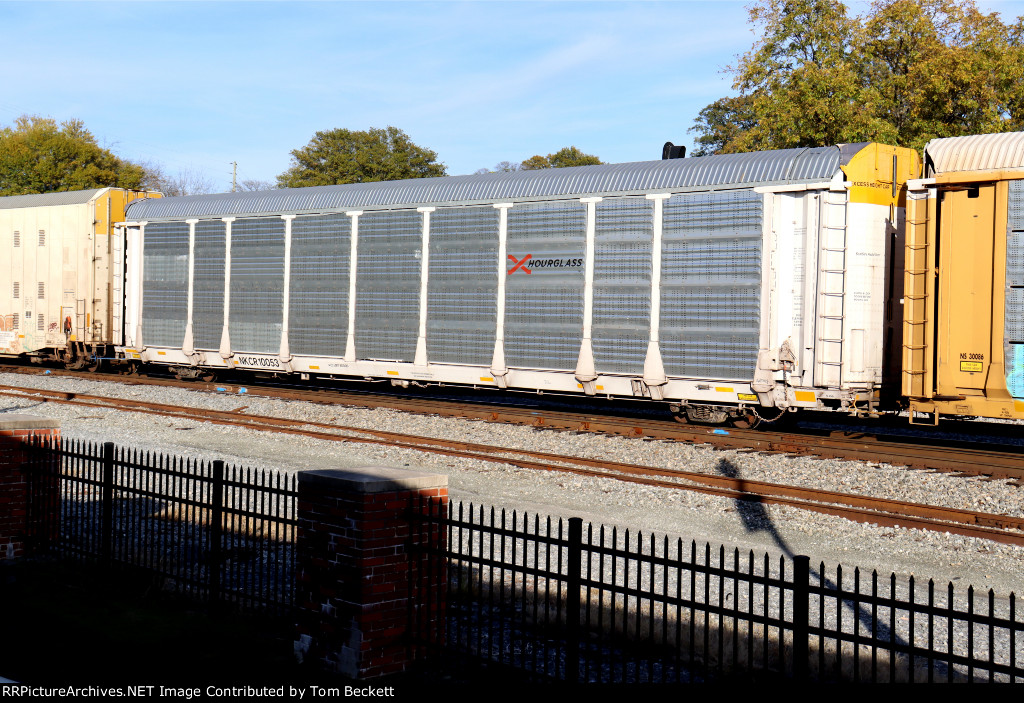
(498, 367)
(801, 615)
(284, 353)
(421, 337)
(573, 579)
(225, 334)
(137, 254)
(654, 365)
(353, 263)
(586, 370)
(188, 343)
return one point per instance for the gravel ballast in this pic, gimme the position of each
(772, 529)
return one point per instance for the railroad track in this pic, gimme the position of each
(1005, 462)
(884, 512)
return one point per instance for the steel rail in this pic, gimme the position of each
(997, 464)
(881, 511)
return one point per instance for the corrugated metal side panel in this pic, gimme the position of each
(1014, 326)
(1015, 370)
(257, 285)
(977, 152)
(622, 284)
(1015, 235)
(544, 299)
(318, 298)
(69, 197)
(1014, 341)
(786, 166)
(1013, 315)
(208, 285)
(164, 284)
(462, 285)
(388, 285)
(711, 284)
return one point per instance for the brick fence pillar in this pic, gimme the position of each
(28, 491)
(370, 580)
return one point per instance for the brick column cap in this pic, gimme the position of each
(373, 479)
(22, 421)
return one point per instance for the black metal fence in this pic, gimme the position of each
(216, 532)
(548, 599)
(558, 600)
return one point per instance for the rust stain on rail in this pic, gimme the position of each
(886, 512)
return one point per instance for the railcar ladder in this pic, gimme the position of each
(80, 321)
(914, 327)
(916, 314)
(832, 296)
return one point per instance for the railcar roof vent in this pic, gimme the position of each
(671, 151)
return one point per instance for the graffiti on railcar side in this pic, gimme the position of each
(9, 333)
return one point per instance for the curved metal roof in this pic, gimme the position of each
(756, 168)
(978, 152)
(68, 197)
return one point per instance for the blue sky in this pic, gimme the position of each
(199, 85)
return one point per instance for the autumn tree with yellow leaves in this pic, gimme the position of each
(906, 72)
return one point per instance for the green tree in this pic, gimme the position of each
(797, 84)
(906, 72)
(346, 156)
(567, 156)
(722, 123)
(939, 68)
(535, 163)
(39, 156)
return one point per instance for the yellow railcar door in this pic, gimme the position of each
(966, 236)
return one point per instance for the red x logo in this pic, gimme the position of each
(520, 264)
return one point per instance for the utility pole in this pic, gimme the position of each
(234, 176)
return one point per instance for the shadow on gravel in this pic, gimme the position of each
(20, 408)
(755, 518)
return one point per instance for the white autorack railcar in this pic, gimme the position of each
(722, 284)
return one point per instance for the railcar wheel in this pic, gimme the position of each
(747, 419)
(678, 414)
(79, 362)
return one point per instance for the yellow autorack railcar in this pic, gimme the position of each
(964, 279)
